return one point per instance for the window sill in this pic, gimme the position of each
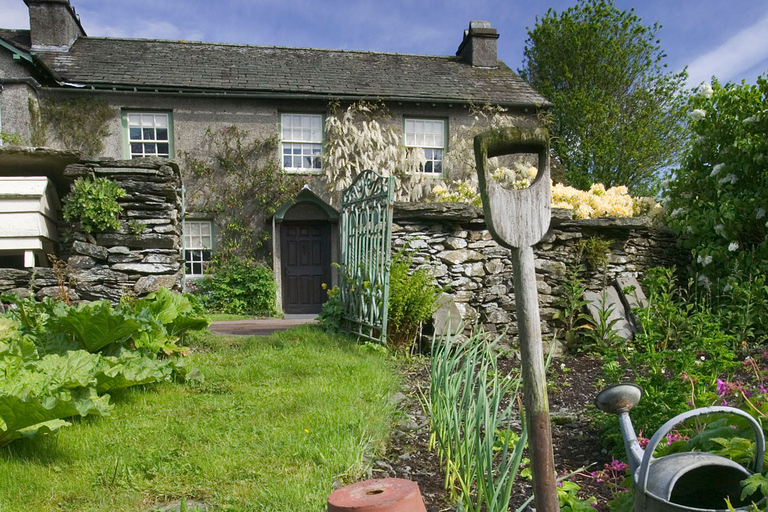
(304, 171)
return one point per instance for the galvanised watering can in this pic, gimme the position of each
(692, 481)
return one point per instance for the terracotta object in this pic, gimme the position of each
(378, 495)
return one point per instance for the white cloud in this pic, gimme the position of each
(738, 54)
(148, 29)
(14, 14)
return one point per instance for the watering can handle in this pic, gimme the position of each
(643, 470)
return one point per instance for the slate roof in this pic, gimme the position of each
(18, 38)
(281, 72)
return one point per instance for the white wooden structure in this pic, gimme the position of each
(29, 208)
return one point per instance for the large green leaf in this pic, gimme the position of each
(48, 427)
(97, 324)
(131, 369)
(18, 412)
(173, 310)
(187, 322)
(15, 344)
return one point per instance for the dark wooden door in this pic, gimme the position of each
(306, 262)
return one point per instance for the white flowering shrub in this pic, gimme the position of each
(360, 138)
(718, 199)
(586, 204)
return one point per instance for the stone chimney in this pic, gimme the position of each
(53, 25)
(479, 45)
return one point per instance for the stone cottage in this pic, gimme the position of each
(165, 96)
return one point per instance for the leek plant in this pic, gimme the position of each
(468, 404)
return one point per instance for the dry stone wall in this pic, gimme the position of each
(133, 260)
(453, 241)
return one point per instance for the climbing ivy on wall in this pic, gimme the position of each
(79, 125)
(38, 131)
(238, 177)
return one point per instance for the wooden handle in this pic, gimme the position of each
(516, 218)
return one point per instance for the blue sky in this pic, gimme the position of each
(726, 38)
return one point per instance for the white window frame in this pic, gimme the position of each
(302, 143)
(150, 139)
(198, 246)
(421, 133)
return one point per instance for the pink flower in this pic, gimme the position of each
(617, 466)
(675, 436)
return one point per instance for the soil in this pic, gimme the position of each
(573, 385)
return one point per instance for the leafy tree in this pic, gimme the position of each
(719, 197)
(617, 113)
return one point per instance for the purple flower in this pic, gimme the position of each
(721, 387)
(617, 466)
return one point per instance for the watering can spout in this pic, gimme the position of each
(685, 481)
(619, 399)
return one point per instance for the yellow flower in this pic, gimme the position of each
(306, 430)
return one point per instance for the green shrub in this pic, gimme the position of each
(238, 285)
(682, 346)
(12, 139)
(595, 251)
(718, 201)
(413, 298)
(333, 311)
(93, 202)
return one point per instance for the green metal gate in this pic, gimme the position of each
(366, 234)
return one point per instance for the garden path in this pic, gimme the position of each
(260, 326)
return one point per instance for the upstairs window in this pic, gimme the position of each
(301, 142)
(149, 134)
(198, 243)
(429, 136)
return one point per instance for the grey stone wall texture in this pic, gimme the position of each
(452, 240)
(112, 264)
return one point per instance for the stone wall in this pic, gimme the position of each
(112, 264)
(453, 241)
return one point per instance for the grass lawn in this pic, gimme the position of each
(275, 422)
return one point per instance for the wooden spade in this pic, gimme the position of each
(518, 219)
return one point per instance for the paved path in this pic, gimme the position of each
(260, 327)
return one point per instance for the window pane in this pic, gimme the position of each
(135, 133)
(148, 119)
(148, 133)
(136, 148)
(161, 120)
(161, 133)
(150, 149)
(163, 149)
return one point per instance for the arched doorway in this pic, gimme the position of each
(305, 244)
